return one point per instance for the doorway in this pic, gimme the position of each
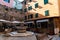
(42, 26)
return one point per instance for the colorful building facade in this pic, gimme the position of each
(8, 3)
(12, 3)
(42, 15)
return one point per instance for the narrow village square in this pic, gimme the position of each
(29, 19)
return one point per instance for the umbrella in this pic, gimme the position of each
(2, 20)
(16, 22)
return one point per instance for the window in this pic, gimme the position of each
(25, 2)
(36, 5)
(6, 9)
(25, 10)
(7, 1)
(25, 17)
(30, 8)
(21, 10)
(45, 1)
(28, 16)
(36, 15)
(30, 0)
(47, 13)
(31, 15)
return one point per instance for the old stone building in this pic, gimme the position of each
(10, 13)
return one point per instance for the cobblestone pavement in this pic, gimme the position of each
(32, 37)
(47, 37)
(56, 37)
(18, 38)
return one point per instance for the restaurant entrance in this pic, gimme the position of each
(42, 26)
(30, 26)
(45, 26)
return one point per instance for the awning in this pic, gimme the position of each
(45, 20)
(2, 20)
(29, 22)
(16, 22)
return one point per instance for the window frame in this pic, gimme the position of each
(30, 8)
(36, 15)
(47, 13)
(45, 2)
(36, 5)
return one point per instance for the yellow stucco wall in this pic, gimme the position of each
(52, 6)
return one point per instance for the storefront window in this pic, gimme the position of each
(39, 25)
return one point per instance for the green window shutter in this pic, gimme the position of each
(36, 15)
(47, 13)
(36, 5)
(30, 8)
(45, 1)
(25, 10)
(30, 0)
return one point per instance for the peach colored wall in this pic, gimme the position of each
(7, 4)
(52, 7)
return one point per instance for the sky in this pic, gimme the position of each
(20, 0)
(18, 5)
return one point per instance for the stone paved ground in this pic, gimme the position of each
(30, 37)
(39, 37)
(56, 37)
(18, 38)
(47, 37)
